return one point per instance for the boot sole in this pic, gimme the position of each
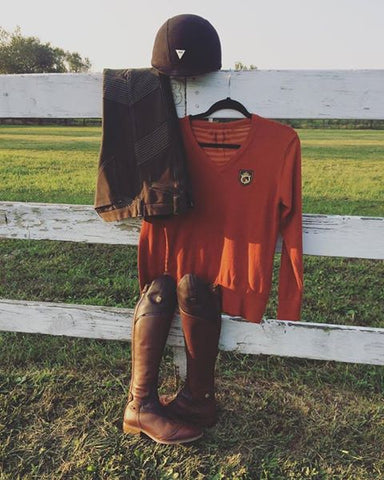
(183, 414)
(136, 431)
(130, 430)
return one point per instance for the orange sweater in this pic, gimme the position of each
(243, 199)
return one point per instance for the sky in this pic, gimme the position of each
(271, 34)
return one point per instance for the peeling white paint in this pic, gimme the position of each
(344, 94)
(326, 235)
(272, 337)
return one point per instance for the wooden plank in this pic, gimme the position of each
(345, 94)
(306, 340)
(180, 361)
(328, 235)
(75, 223)
(343, 236)
(292, 94)
(272, 337)
(51, 95)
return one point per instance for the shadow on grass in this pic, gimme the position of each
(62, 399)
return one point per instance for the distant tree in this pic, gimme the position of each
(74, 62)
(241, 66)
(19, 54)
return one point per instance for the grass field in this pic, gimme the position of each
(61, 399)
(342, 169)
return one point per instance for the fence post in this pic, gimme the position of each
(180, 362)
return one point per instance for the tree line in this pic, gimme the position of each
(20, 54)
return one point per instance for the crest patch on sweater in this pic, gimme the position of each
(245, 176)
(180, 53)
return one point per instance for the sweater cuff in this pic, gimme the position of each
(289, 310)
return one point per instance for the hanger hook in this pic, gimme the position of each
(229, 83)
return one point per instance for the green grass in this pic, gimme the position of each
(61, 399)
(342, 169)
(49, 164)
(107, 275)
(61, 404)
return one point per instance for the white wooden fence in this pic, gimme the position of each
(273, 94)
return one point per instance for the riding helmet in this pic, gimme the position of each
(186, 45)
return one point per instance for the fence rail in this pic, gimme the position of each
(326, 235)
(273, 337)
(343, 94)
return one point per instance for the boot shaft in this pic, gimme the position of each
(151, 323)
(200, 312)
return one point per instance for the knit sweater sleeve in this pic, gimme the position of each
(291, 265)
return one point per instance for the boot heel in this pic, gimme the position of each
(131, 430)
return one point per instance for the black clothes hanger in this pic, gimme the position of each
(225, 104)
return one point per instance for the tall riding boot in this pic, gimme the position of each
(200, 311)
(151, 324)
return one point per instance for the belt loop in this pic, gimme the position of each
(140, 207)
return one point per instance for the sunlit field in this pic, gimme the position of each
(61, 399)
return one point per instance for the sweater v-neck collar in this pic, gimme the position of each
(187, 125)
